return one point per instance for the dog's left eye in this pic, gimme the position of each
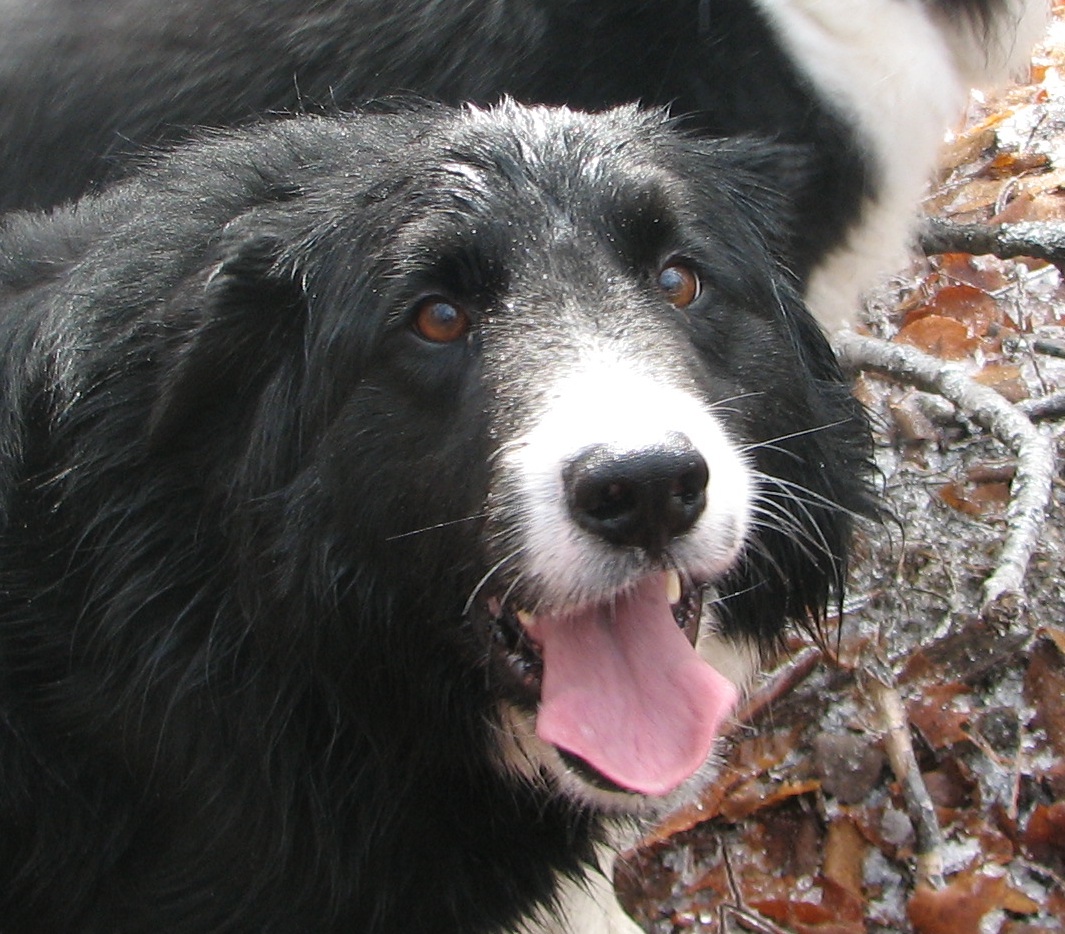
(679, 284)
(440, 321)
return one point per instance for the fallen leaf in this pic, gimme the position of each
(939, 336)
(911, 423)
(1044, 837)
(973, 200)
(1012, 164)
(792, 840)
(1054, 636)
(755, 795)
(987, 274)
(964, 656)
(980, 499)
(991, 473)
(1044, 689)
(845, 849)
(951, 785)
(1005, 379)
(933, 714)
(959, 907)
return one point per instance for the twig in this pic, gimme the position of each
(880, 686)
(1043, 871)
(1030, 238)
(1004, 589)
(1049, 406)
(783, 682)
(748, 920)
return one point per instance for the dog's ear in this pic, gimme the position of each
(230, 323)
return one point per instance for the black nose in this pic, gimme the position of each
(643, 498)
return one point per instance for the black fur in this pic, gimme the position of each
(244, 506)
(86, 83)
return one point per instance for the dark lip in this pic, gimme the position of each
(515, 664)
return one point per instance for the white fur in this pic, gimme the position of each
(899, 74)
(611, 400)
(588, 906)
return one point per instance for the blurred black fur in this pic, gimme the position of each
(85, 84)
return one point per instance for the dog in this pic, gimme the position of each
(869, 88)
(392, 504)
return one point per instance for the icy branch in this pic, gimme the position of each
(1035, 455)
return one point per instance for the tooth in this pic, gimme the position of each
(673, 587)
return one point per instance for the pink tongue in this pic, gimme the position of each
(624, 690)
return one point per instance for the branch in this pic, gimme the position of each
(1029, 238)
(879, 684)
(1035, 455)
(1051, 406)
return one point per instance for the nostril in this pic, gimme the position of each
(604, 501)
(643, 498)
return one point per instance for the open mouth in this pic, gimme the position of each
(617, 686)
(517, 658)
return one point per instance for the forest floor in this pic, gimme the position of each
(910, 775)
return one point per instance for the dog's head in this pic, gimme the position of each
(506, 410)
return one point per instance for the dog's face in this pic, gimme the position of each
(560, 411)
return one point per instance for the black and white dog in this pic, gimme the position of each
(868, 85)
(362, 481)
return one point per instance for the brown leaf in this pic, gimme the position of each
(973, 307)
(967, 147)
(933, 714)
(845, 849)
(1005, 379)
(992, 828)
(950, 786)
(1037, 203)
(791, 839)
(963, 269)
(975, 499)
(1044, 688)
(940, 336)
(755, 795)
(965, 656)
(991, 473)
(911, 422)
(1012, 164)
(970, 201)
(1045, 834)
(841, 914)
(1054, 636)
(959, 907)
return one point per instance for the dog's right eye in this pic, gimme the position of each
(679, 283)
(439, 321)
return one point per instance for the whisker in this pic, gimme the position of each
(487, 577)
(813, 532)
(433, 528)
(811, 497)
(771, 442)
(722, 403)
(797, 533)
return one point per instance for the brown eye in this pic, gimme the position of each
(679, 284)
(438, 320)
